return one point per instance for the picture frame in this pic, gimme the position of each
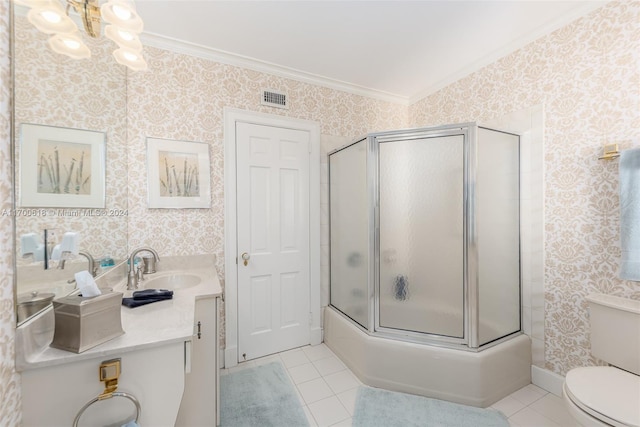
(178, 174)
(61, 167)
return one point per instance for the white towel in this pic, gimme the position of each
(630, 214)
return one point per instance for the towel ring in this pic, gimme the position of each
(108, 396)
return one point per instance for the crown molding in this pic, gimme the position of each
(224, 57)
(511, 47)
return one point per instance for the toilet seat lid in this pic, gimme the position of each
(609, 394)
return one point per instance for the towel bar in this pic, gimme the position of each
(108, 396)
(610, 152)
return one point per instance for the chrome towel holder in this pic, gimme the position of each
(109, 373)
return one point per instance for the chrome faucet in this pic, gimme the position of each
(132, 278)
(91, 267)
(92, 262)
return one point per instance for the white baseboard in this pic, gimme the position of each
(547, 380)
(230, 357)
(316, 336)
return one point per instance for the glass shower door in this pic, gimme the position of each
(498, 212)
(349, 232)
(422, 235)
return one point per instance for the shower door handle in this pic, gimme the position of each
(245, 258)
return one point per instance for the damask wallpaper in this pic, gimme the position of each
(9, 380)
(54, 90)
(182, 98)
(587, 77)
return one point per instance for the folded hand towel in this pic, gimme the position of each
(152, 293)
(132, 303)
(630, 214)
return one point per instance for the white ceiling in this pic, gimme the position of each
(396, 50)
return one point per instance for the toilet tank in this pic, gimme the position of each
(615, 330)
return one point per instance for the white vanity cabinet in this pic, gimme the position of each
(200, 403)
(169, 360)
(53, 395)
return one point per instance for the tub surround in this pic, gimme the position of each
(147, 326)
(478, 379)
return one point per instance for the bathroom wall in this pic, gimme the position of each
(9, 380)
(182, 97)
(586, 76)
(55, 90)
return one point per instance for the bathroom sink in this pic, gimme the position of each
(172, 282)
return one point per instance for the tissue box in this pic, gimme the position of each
(83, 323)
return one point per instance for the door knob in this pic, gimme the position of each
(245, 257)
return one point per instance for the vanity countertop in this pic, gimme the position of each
(146, 326)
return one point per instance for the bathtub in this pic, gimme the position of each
(471, 378)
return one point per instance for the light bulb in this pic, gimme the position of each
(51, 16)
(125, 35)
(51, 19)
(123, 38)
(71, 44)
(121, 12)
(130, 56)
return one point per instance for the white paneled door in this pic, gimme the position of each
(273, 239)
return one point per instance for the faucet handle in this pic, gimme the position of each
(140, 273)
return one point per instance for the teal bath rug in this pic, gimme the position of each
(381, 408)
(260, 397)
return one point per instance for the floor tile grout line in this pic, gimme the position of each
(537, 392)
(541, 413)
(532, 402)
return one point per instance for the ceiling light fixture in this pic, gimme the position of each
(124, 25)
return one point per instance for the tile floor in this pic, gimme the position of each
(327, 391)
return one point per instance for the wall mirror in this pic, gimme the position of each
(70, 95)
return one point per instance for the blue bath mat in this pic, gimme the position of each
(262, 396)
(382, 408)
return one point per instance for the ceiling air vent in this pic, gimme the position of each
(274, 99)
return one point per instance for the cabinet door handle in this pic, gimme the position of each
(199, 330)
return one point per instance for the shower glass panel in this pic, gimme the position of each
(498, 228)
(421, 197)
(349, 231)
(425, 235)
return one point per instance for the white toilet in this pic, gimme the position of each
(609, 395)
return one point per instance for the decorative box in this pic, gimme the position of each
(83, 323)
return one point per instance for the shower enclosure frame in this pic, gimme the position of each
(470, 340)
